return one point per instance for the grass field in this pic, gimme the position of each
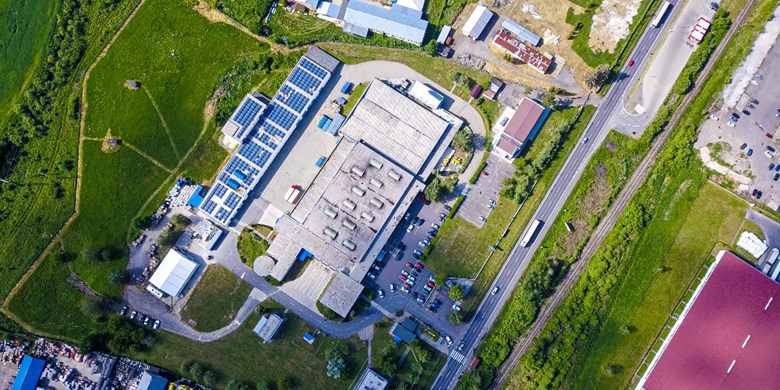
(215, 300)
(404, 377)
(250, 247)
(243, 356)
(461, 248)
(24, 29)
(678, 241)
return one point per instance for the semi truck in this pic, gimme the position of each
(293, 194)
(530, 233)
(661, 13)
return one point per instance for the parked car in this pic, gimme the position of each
(630, 63)
(769, 154)
(751, 106)
(404, 273)
(392, 287)
(410, 228)
(771, 149)
(156, 325)
(146, 321)
(416, 255)
(448, 208)
(430, 284)
(381, 293)
(415, 220)
(133, 314)
(420, 222)
(399, 255)
(372, 276)
(123, 311)
(404, 289)
(483, 219)
(769, 135)
(407, 286)
(424, 243)
(435, 226)
(432, 233)
(730, 124)
(746, 112)
(734, 115)
(754, 101)
(750, 152)
(713, 117)
(777, 176)
(410, 265)
(448, 339)
(420, 300)
(419, 265)
(755, 191)
(777, 168)
(407, 216)
(771, 166)
(442, 217)
(427, 289)
(433, 309)
(743, 147)
(758, 196)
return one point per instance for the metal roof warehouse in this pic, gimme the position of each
(173, 273)
(401, 22)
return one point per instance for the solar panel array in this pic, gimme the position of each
(266, 137)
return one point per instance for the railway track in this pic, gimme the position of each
(606, 225)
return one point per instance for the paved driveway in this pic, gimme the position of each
(476, 205)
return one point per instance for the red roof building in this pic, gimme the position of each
(728, 337)
(513, 133)
(522, 51)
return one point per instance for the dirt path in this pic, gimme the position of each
(146, 156)
(162, 121)
(64, 228)
(215, 16)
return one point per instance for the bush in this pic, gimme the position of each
(456, 206)
(456, 292)
(143, 223)
(480, 168)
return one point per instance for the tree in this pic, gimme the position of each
(454, 76)
(456, 292)
(262, 385)
(92, 342)
(91, 253)
(338, 349)
(455, 317)
(196, 372)
(91, 307)
(431, 47)
(548, 99)
(463, 140)
(117, 277)
(598, 76)
(142, 223)
(466, 82)
(108, 253)
(209, 378)
(235, 385)
(336, 368)
(433, 191)
(283, 383)
(180, 220)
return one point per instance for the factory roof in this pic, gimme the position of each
(521, 32)
(173, 273)
(522, 51)
(341, 294)
(151, 381)
(29, 373)
(267, 327)
(477, 22)
(397, 21)
(395, 126)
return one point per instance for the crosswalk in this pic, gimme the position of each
(458, 357)
(382, 310)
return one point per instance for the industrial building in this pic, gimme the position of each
(523, 51)
(370, 380)
(726, 337)
(267, 327)
(29, 373)
(425, 95)
(477, 22)
(173, 273)
(403, 19)
(516, 127)
(389, 147)
(260, 127)
(522, 33)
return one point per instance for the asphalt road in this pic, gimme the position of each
(548, 210)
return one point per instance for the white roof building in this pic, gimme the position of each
(173, 273)
(477, 22)
(267, 327)
(425, 95)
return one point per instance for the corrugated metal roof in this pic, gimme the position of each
(521, 32)
(398, 21)
(445, 32)
(29, 373)
(152, 382)
(173, 273)
(328, 9)
(354, 29)
(477, 22)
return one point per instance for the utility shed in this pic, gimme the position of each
(173, 273)
(477, 22)
(29, 373)
(444, 34)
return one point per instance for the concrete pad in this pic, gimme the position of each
(308, 287)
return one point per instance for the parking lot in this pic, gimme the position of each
(482, 195)
(746, 145)
(308, 287)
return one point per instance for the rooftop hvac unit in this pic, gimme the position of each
(359, 172)
(376, 183)
(358, 191)
(377, 203)
(367, 216)
(349, 204)
(376, 163)
(330, 233)
(349, 224)
(331, 213)
(349, 244)
(394, 175)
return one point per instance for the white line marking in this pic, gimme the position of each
(767, 304)
(731, 366)
(746, 340)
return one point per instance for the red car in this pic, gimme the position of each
(755, 191)
(430, 284)
(768, 135)
(407, 286)
(419, 265)
(630, 63)
(408, 264)
(402, 277)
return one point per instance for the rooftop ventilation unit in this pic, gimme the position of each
(357, 171)
(376, 183)
(394, 175)
(376, 163)
(358, 191)
(349, 244)
(331, 213)
(349, 204)
(367, 216)
(330, 233)
(349, 224)
(377, 203)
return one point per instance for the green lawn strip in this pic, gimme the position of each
(242, 356)
(357, 92)
(673, 250)
(434, 68)
(24, 31)
(407, 377)
(250, 247)
(215, 300)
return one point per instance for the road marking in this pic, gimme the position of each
(457, 357)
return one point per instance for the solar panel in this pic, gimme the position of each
(219, 190)
(313, 68)
(270, 129)
(281, 116)
(232, 201)
(293, 99)
(305, 81)
(209, 206)
(266, 139)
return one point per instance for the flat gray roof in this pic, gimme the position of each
(371, 381)
(395, 126)
(322, 58)
(341, 294)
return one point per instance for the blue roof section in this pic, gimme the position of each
(521, 32)
(328, 9)
(151, 381)
(197, 197)
(398, 21)
(29, 373)
(267, 135)
(313, 3)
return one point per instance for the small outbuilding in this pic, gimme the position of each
(173, 273)
(29, 373)
(477, 22)
(267, 327)
(151, 381)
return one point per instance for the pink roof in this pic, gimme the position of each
(523, 51)
(523, 121)
(734, 320)
(508, 145)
